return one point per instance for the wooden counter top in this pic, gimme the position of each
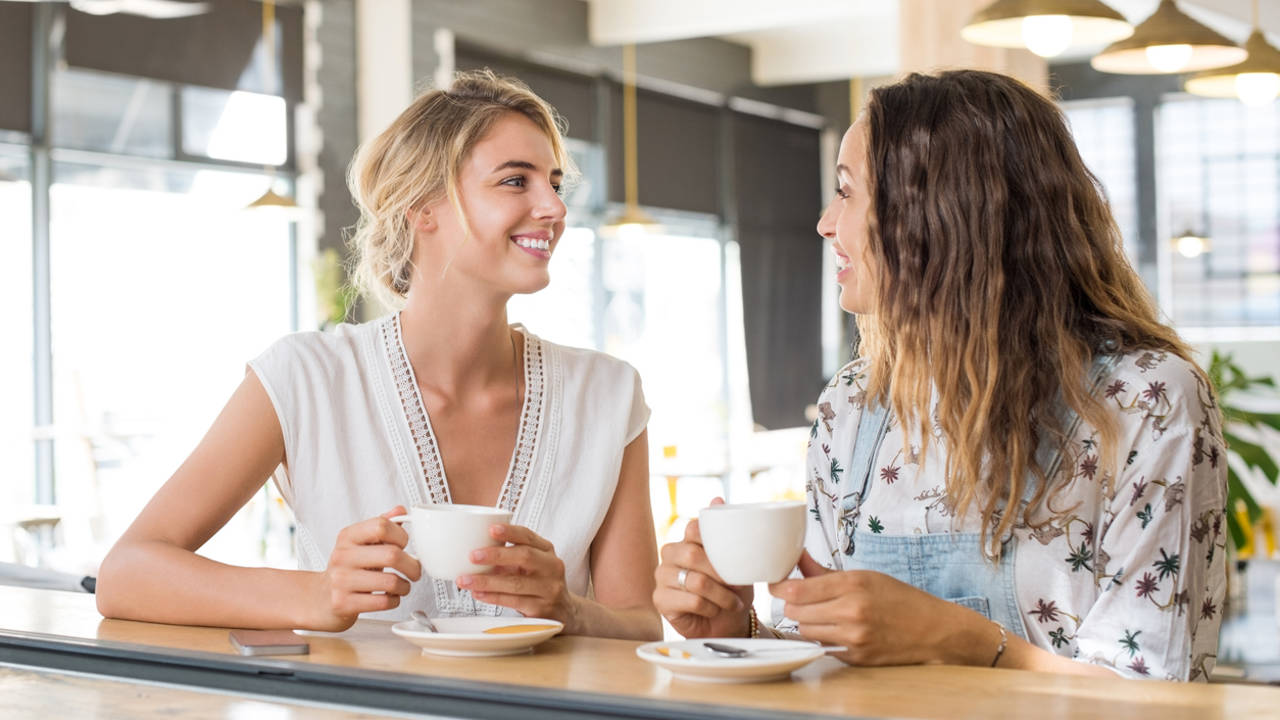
(593, 667)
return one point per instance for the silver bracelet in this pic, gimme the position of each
(1004, 643)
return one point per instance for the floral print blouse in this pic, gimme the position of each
(1128, 574)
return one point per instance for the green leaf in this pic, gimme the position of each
(1237, 491)
(1253, 418)
(1227, 377)
(1253, 454)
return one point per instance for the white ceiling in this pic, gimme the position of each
(795, 41)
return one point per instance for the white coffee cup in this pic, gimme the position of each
(753, 542)
(443, 536)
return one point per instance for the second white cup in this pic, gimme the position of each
(443, 536)
(753, 542)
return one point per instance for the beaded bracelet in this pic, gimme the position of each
(1004, 643)
(753, 624)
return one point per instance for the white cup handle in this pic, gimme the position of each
(403, 520)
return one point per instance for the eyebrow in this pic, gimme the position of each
(524, 165)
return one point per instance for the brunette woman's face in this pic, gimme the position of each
(509, 188)
(846, 223)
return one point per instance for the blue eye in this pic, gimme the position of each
(559, 189)
(517, 181)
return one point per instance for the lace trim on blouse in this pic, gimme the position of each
(449, 599)
(530, 425)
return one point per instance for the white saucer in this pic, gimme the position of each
(770, 659)
(466, 636)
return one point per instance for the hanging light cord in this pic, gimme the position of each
(268, 63)
(631, 181)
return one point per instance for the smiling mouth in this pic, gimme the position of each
(536, 244)
(842, 261)
(532, 243)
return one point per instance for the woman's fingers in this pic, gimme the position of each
(520, 535)
(366, 602)
(348, 581)
(377, 557)
(524, 604)
(699, 584)
(527, 585)
(690, 556)
(672, 602)
(838, 611)
(374, 531)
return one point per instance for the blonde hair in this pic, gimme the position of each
(1001, 275)
(416, 162)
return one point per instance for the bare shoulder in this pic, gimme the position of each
(593, 366)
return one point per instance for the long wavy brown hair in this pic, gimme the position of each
(1001, 275)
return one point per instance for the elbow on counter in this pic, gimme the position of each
(109, 593)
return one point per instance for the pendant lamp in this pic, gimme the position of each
(632, 220)
(1046, 27)
(1256, 81)
(1191, 244)
(271, 200)
(1168, 42)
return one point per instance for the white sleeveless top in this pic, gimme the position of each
(358, 442)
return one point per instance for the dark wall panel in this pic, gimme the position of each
(212, 49)
(573, 96)
(677, 144)
(776, 175)
(15, 66)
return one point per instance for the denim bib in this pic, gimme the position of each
(950, 566)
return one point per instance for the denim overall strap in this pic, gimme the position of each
(872, 427)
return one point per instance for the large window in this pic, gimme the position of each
(1219, 177)
(162, 289)
(160, 285)
(1104, 133)
(16, 372)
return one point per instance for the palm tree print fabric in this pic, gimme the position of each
(1127, 572)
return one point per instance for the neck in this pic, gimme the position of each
(457, 342)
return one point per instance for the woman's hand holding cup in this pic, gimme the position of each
(527, 575)
(693, 597)
(356, 579)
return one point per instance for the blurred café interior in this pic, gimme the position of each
(173, 199)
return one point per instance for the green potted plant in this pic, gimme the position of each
(1231, 383)
(334, 295)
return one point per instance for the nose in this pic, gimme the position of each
(827, 223)
(549, 206)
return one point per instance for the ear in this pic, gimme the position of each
(421, 218)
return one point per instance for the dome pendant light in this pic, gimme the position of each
(1256, 81)
(1045, 27)
(1168, 42)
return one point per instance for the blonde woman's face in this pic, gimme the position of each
(846, 223)
(509, 188)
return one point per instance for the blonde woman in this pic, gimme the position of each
(1024, 468)
(440, 402)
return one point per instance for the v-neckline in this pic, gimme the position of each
(414, 410)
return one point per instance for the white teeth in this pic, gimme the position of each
(534, 244)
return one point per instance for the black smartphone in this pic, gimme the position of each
(268, 642)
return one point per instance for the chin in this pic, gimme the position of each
(528, 286)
